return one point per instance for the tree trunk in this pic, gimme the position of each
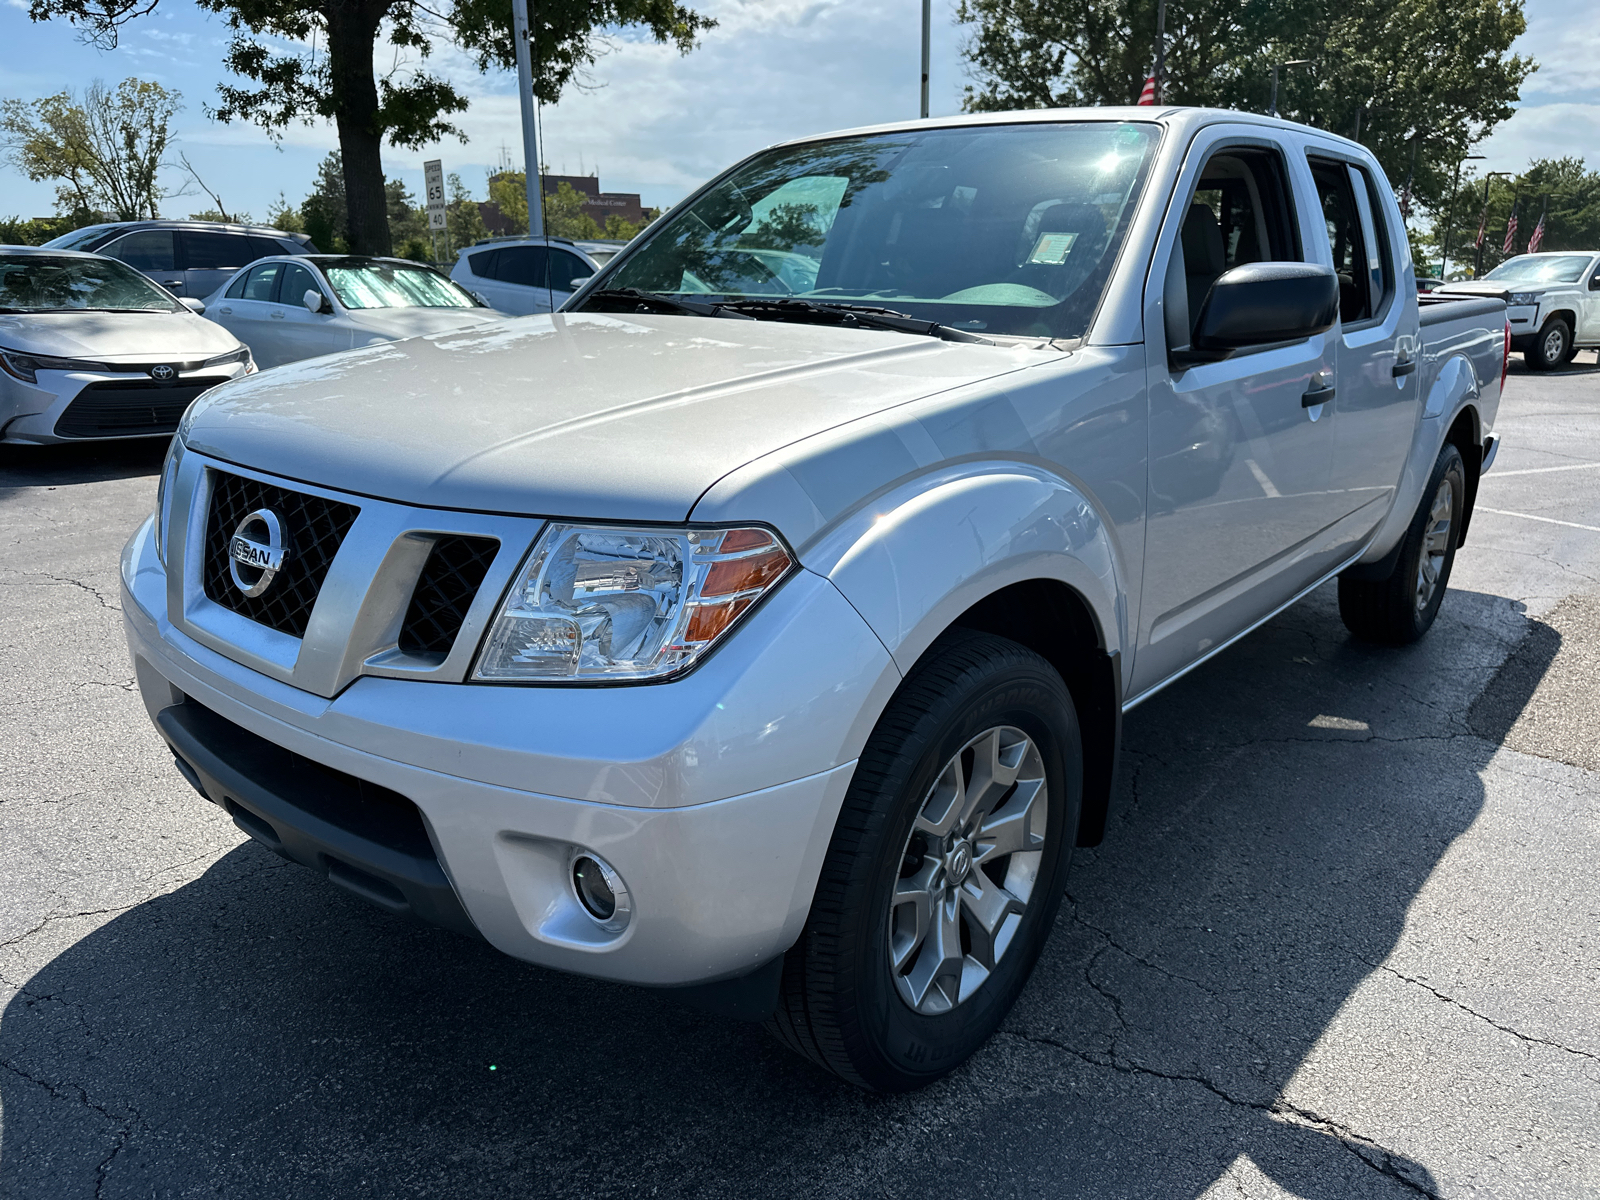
(352, 32)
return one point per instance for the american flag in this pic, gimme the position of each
(1511, 231)
(1537, 239)
(1483, 226)
(1148, 95)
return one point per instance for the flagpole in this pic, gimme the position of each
(1161, 53)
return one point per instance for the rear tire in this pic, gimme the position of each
(1551, 348)
(1398, 610)
(919, 941)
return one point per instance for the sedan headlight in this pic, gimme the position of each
(26, 367)
(606, 604)
(1523, 298)
(242, 354)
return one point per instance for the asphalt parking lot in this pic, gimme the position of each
(1342, 939)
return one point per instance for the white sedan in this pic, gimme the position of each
(290, 307)
(90, 348)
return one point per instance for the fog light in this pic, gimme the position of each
(601, 892)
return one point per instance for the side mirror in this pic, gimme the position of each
(315, 301)
(1262, 303)
(574, 284)
(1594, 283)
(192, 305)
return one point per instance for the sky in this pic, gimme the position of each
(658, 123)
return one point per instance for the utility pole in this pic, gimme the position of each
(530, 128)
(1272, 107)
(1161, 53)
(1449, 213)
(1483, 223)
(927, 50)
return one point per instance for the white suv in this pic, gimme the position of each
(524, 274)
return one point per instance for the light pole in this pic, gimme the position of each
(1449, 213)
(1272, 109)
(530, 129)
(927, 50)
(1161, 52)
(1483, 222)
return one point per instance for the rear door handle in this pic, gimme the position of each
(1404, 368)
(1316, 396)
(227, 312)
(276, 316)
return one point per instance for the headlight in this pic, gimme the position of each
(605, 603)
(26, 367)
(242, 354)
(169, 473)
(1523, 298)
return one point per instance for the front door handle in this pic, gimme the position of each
(276, 316)
(1316, 396)
(1402, 369)
(227, 312)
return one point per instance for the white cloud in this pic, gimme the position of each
(1543, 131)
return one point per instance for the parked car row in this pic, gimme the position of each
(1552, 303)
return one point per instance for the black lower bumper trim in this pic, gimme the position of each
(367, 839)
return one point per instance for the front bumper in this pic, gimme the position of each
(76, 406)
(721, 873)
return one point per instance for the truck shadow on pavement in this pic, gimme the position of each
(259, 1033)
(87, 462)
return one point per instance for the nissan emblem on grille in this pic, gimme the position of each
(246, 554)
(163, 373)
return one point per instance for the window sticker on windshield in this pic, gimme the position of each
(1052, 248)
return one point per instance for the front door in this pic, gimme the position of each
(246, 308)
(299, 332)
(1241, 451)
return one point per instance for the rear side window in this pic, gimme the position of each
(265, 247)
(482, 263)
(148, 250)
(297, 281)
(564, 268)
(259, 282)
(216, 251)
(524, 265)
(1356, 238)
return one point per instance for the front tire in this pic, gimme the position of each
(1398, 610)
(945, 871)
(1551, 348)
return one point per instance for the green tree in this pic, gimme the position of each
(1572, 219)
(36, 231)
(408, 224)
(323, 211)
(463, 219)
(103, 153)
(1418, 81)
(508, 191)
(564, 215)
(216, 214)
(333, 78)
(283, 215)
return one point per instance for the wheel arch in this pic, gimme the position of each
(1466, 435)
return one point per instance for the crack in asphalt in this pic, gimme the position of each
(1357, 1144)
(1470, 1011)
(124, 1127)
(77, 583)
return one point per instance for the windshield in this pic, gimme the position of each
(52, 283)
(382, 285)
(994, 229)
(1532, 268)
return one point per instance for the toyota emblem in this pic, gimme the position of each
(256, 551)
(163, 373)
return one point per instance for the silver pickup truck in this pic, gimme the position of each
(761, 624)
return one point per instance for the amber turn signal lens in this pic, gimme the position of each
(745, 574)
(711, 619)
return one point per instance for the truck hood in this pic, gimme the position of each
(116, 337)
(580, 415)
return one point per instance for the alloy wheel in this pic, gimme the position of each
(968, 870)
(1435, 543)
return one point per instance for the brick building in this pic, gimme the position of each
(596, 204)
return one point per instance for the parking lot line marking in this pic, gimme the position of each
(1547, 520)
(1546, 470)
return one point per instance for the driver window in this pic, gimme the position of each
(297, 281)
(1240, 213)
(148, 250)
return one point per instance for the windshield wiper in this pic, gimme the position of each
(642, 300)
(866, 316)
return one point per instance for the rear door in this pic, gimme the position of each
(523, 272)
(245, 311)
(152, 252)
(1588, 333)
(210, 257)
(1377, 377)
(1241, 450)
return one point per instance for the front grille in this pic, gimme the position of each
(449, 580)
(129, 407)
(313, 530)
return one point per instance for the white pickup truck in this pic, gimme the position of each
(1552, 303)
(761, 624)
